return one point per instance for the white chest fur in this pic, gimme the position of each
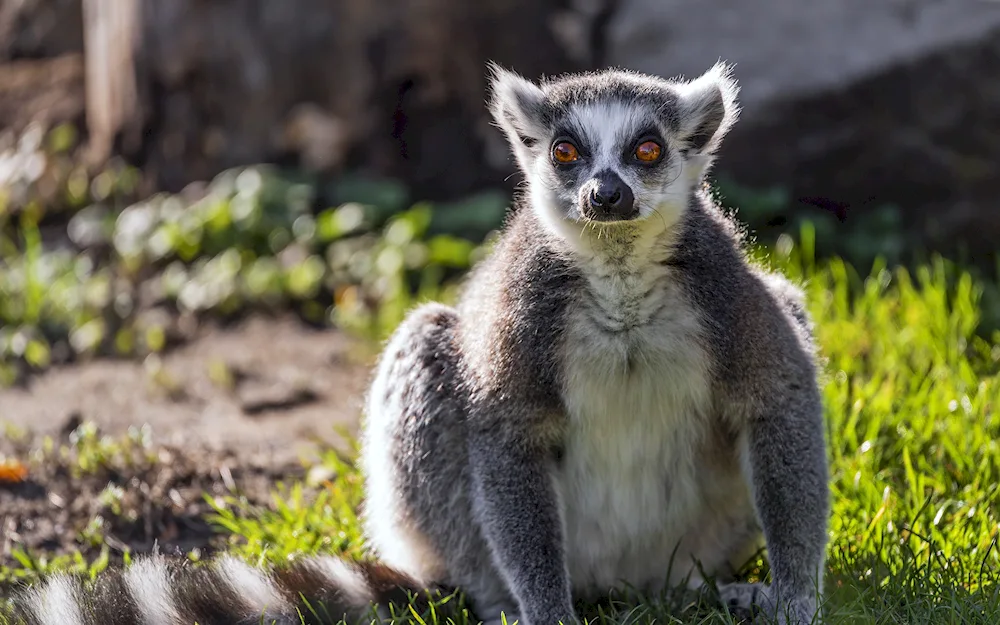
(645, 480)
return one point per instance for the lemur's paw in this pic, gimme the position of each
(745, 598)
(757, 601)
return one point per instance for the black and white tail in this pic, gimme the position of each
(160, 591)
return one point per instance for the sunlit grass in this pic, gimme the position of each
(911, 395)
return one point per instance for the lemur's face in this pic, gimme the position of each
(607, 161)
(613, 147)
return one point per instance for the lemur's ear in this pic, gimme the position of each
(708, 108)
(518, 107)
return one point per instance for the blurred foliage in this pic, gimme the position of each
(869, 238)
(869, 235)
(41, 173)
(86, 268)
(120, 277)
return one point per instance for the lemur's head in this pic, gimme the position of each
(613, 147)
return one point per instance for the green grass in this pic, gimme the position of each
(911, 395)
(324, 523)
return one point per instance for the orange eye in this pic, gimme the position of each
(565, 152)
(648, 151)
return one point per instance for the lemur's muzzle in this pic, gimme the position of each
(607, 198)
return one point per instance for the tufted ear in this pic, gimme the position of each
(708, 108)
(519, 108)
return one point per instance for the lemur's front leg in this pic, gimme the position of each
(784, 458)
(518, 510)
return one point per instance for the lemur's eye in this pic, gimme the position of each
(565, 152)
(648, 151)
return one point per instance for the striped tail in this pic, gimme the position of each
(160, 591)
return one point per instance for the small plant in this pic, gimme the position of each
(90, 452)
(255, 238)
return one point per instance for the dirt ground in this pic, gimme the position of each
(264, 386)
(232, 412)
(136, 503)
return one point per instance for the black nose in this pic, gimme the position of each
(610, 198)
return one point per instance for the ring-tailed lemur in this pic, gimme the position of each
(620, 397)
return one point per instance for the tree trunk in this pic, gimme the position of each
(111, 32)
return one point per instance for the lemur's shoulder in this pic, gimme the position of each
(756, 323)
(523, 250)
(512, 312)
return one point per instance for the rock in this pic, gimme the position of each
(276, 398)
(851, 104)
(394, 88)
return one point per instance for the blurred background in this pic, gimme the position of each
(213, 211)
(190, 189)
